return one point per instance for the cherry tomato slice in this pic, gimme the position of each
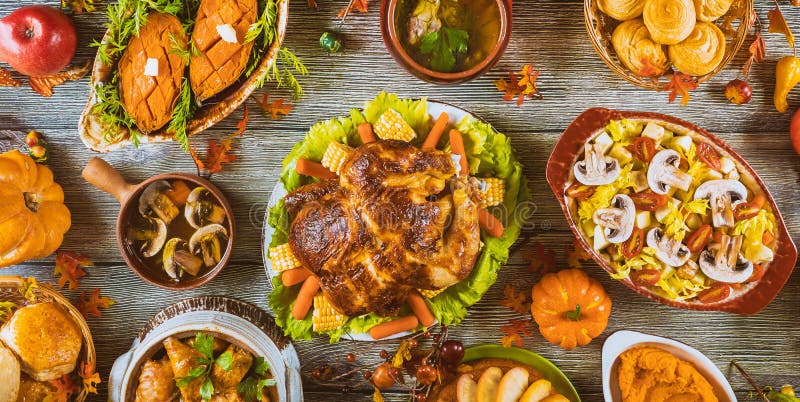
(717, 292)
(580, 191)
(633, 246)
(648, 200)
(709, 155)
(747, 210)
(644, 148)
(767, 238)
(646, 277)
(698, 239)
(758, 273)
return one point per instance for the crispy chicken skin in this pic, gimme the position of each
(240, 365)
(398, 219)
(156, 382)
(182, 357)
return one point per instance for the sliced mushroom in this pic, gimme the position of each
(154, 201)
(152, 237)
(202, 208)
(207, 241)
(617, 220)
(178, 259)
(723, 195)
(596, 168)
(663, 173)
(669, 250)
(722, 261)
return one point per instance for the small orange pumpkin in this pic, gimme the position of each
(33, 217)
(570, 308)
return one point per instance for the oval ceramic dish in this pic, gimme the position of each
(92, 130)
(548, 370)
(232, 320)
(620, 341)
(589, 124)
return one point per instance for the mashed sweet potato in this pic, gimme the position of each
(650, 374)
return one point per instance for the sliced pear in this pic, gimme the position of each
(538, 391)
(488, 383)
(556, 398)
(512, 385)
(466, 389)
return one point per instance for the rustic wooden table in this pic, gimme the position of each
(548, 32)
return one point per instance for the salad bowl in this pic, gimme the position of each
(748, 296)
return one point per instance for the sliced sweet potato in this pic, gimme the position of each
(150, 100)
(219, 61)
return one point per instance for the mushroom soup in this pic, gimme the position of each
(671, 212)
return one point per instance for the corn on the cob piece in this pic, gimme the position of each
(282, 258)
(492, 191)
(391, 126)
(325, 317)
(335, 155)
(430, 294)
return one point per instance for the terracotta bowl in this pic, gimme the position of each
(391, 39)
(570, 146)
(103, 176)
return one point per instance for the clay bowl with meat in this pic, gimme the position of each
(134, 247)
(724, 281)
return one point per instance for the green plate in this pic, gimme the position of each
(544, 366)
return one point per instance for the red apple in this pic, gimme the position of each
(37, 40)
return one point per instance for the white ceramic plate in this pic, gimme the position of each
(435, 108)
(621, 341)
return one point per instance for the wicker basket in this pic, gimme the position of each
(10, 287)
(600, 27)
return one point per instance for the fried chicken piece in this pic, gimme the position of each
(230, 379)
(183, 357)
(156, 382)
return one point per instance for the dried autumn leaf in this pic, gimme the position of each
(376, 396)
(509, 340)
(514, 332)
(6, 80)
(6, 308)
(274, 109)
(649, 70)
(217, 154)
(78, 6)
(516, 300)
(357, 5)
(64, 388)
(778, 24)
(94, 303)
(543, 260)
(757, 53)
(27, 289)
(402, 355)
(521, 87)
(576, 255)
(44, 85)
(242, 124)
(69, 265)
(680, 85)
(197, 161)
(90, 379)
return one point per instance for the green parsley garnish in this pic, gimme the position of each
(203, 365)
(251, 387)
(443, 46)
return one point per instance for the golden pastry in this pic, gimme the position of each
(701, 52)
(621, 10)
(669, 21)
(637, 51)
(9, 375)
(710, 10)
(35, 391)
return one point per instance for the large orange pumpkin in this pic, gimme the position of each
(33, 217)
(570, 308)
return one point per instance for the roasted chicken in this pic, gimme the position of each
(183, 358)
(156, 382)
(397, 219)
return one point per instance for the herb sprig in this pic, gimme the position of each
(252, 387)
(203, 365)
(443, 46)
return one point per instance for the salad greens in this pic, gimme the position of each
(489, 154)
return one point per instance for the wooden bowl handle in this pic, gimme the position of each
(103, 176)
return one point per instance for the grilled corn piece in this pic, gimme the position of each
(492, 192)
(282, 258)
(325, 317)
(391, 126)
(335, 155)
(430, 294)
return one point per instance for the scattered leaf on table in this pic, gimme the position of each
(402, 355)
(44, 85)
(64, 388)
(516, 300)
(649, 70)
(376, 396)
(6, 308)
(217, 154)
(90, 379)
(514, 332)
(69, 265)
(777, 24)
(520, 86)
(275, 109)
(757, 53)
(576, 255)
(242, 124)
(94, 303)
(27, 289)
(543, 260)
(680, 85)
(6, 80)
(78, 6)
(357, 5)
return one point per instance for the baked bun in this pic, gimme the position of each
(9, 375)
(669, 21)
(710, 10)
(34, 391)
(46, 340)
(637, 50)
(701, 52)
(621, 10)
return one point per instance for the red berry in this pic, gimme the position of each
(412, 343)
(350, 357)
(383, 377)
(316, 373)
(32, 138)
(738, 92)
(420, 397)
(38, 151)
(366, 374)
(451, 352)
(426, 374)
(384, 354)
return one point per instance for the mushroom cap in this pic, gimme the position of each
(149, 195)
(213, 228)
(189, 211)
(626, 218)
(609, 174)
(153, 246)
(656, 239)
(722, 272)
(735, 188)
(657, 169)
(169, 253)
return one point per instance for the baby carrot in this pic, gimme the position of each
(292, 277)
(420, 309)
(311, 168)
(457, 147)
(305, 297)
(390, 328)
(489, 223)
(365, 132)
(436, 132)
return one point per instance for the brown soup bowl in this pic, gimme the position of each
(103, 176)
(393, 42)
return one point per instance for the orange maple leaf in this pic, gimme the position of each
(78, 6)
(44, 85)
(509, 340)
(516, 300)
(543, 260)
(64, 388)
(576, 254)
(521, 87)
(778, 24)
(69, 265)
(90, 379)
(94, 303)
(680, 85)
(758, 51)
(6, 80)
(514, 332)
(357, 5)
(649, 70)
(274, 109)
(241, 126)
(217, 154)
